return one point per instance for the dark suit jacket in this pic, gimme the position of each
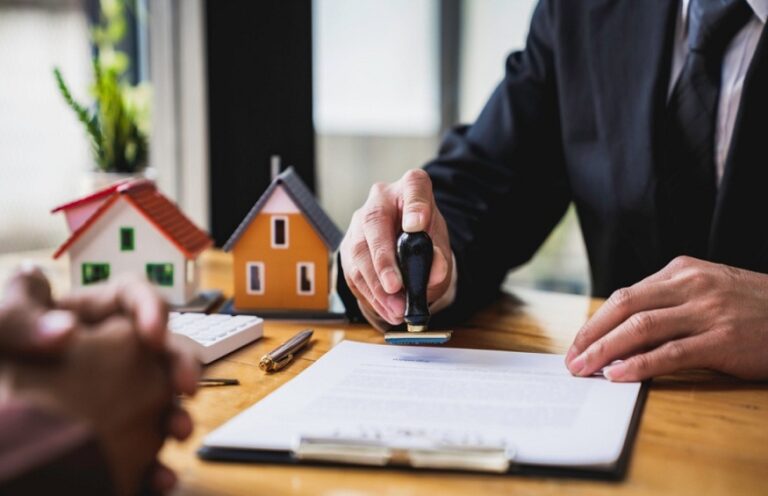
(577, 118)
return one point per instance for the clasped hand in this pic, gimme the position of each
(101, 356)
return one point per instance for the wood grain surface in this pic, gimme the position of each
(701, 433)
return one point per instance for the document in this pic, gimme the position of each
(527, 403)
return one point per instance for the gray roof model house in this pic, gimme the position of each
(282, 250)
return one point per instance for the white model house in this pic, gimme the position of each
(131, 227)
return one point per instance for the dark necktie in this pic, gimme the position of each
(690, 177)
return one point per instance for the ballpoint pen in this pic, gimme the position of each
(283, 354)
(215, 381)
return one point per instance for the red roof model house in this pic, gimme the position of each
(131, 227)
(282, 250)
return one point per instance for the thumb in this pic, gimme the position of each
(30, 333)
(417, 201)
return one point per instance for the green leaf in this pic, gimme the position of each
(118, 122)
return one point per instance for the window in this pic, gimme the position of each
(160, 273)
(279, 231)
(126, 239)
(254, 274)
(305, 278)
(95, 272)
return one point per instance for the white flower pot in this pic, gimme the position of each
(96, 179)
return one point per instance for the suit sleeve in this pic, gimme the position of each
(501, 183)
(42, 452)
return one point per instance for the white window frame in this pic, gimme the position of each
(273, 220)
(262, 272)
(310, 274)
(177, 46)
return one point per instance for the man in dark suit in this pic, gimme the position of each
(650, 117)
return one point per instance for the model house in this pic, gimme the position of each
(282, 250)
(131, 227)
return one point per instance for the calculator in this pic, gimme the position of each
(211, 336)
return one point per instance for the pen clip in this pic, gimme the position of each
(277, 365)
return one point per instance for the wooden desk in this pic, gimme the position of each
(700, 434)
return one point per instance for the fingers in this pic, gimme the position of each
(641, 331)
(185, 369)
(53, 331)
(379, 226)
(686, 353)
(29, 285)
(162, 479)
(25, 331)
(439, 271)
(619, 307)
(360, 274)
(364, 284)
(417, 201)
(180, 424)
(129, 295)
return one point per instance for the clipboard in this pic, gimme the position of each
(498, 461)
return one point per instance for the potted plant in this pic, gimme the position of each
(117, 120)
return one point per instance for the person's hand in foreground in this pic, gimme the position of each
(110, 379)
(368, 255)
(691, 314)
(32, 324)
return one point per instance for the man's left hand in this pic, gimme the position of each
(691, 314)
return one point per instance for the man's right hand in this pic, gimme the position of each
(368, 254)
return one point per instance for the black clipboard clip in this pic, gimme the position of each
(495, 459)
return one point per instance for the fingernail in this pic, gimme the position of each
(578, 364)
(55, 323)
(615, 372)
(570, 355)
(390, 279)
(412, 222)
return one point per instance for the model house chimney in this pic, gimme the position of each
(275, 166)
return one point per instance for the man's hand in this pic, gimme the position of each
(112, 380)
(691, 314)
(33, 324)
(368, 250)
(137, 299)
(29, 324)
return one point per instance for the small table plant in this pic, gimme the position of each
(116, 122)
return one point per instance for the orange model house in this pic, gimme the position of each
(282, 250)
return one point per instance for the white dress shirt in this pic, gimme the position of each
(734, 70)
(735, 65)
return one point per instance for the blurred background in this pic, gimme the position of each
(350, 92)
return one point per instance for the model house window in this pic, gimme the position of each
(279, 231)
(95, 272)
(126, 239)
(305, 278)
(254, 274)
(160, 273)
